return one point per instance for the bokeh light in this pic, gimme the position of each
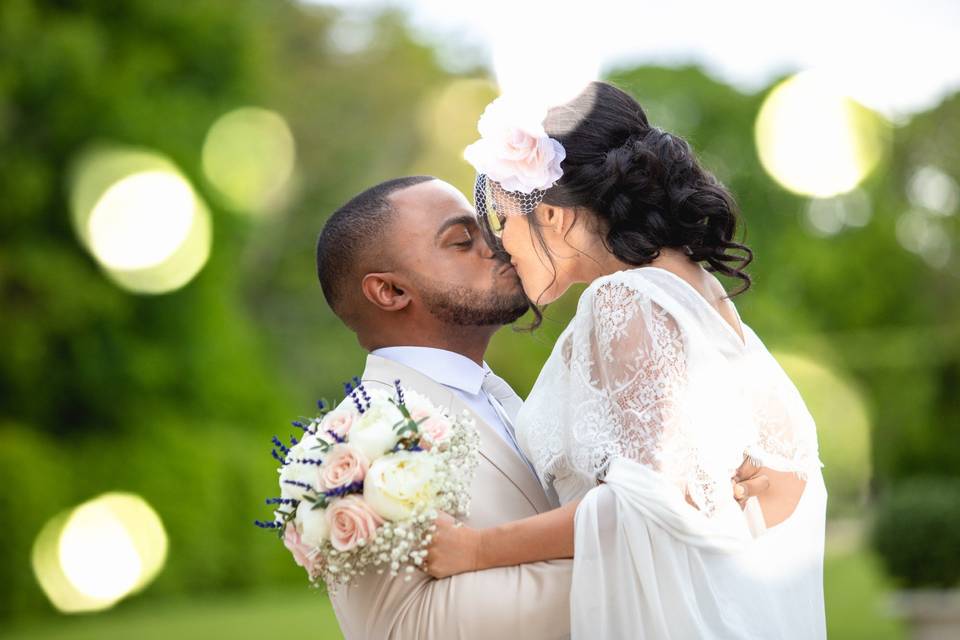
(843, 427)
(814, 140)
(922, 232)
(93, 556)
(529, 63)
(140, 218)
(829, 216)
(447, 123)
(249, 157)
(932, 189)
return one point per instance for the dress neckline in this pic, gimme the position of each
(740, 337)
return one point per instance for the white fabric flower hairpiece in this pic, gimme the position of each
(514, 150)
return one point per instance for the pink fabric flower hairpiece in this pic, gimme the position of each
(514, 150)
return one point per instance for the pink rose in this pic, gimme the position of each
(436, 429)
(514, 150)
(351, 520)
(342, 466)
(301, 552)
(339, 422)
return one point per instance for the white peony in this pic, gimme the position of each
(372, 433)
(399, 483)
(313, 526)
(514, 150)
(298, 472)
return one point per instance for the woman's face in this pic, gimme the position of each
(544, 280)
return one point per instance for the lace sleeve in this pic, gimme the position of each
(637, 362)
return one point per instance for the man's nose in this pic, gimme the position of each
(485, 249)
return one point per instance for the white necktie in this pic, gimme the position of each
(506, 403)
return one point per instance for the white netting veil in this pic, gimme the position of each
(493, 202)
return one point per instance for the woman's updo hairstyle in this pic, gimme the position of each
(644, 184)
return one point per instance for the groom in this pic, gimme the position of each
(404, 265)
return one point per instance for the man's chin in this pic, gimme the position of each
(501, 313)
(500, 305)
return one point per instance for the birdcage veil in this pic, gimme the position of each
(490, 197)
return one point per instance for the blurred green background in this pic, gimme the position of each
(155, 355)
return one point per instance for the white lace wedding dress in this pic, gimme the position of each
(648, 396)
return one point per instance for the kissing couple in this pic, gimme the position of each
(662, 479)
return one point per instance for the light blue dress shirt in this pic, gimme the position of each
(458, 373)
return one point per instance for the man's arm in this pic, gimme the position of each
(530, 601)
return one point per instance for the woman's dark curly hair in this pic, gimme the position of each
(643, 184)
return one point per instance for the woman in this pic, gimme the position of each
(653, 393)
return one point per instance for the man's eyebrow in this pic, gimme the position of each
(467, 220)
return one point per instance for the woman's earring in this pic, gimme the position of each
(687, 250)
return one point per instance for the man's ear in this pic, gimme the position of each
(385, 291)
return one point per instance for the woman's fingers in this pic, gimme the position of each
(746, 470)
(752, 487)
(453, 548)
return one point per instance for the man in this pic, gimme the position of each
(404, 265)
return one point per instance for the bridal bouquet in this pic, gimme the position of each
(361, 488)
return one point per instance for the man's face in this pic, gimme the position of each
(439, 248)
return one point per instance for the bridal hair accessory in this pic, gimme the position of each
(361, 489)
(516, 161)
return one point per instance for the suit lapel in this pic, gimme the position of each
(492, 446)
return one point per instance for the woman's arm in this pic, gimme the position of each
(546, 536)
(456, 548)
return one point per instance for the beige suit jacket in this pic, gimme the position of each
(529, 601)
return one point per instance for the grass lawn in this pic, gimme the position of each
(855, 590)
(296, 612)
(853, 583)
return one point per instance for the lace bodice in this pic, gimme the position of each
(648, 370)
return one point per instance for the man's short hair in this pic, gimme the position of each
(350, 233)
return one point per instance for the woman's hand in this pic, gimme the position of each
(749, 480)
(454, 549)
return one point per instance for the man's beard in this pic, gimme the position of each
(467, 307)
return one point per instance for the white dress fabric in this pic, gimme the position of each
(650, 396)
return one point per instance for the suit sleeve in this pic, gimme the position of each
(531, 601)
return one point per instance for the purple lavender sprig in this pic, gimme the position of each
(354, 487)
(351, 393)
(283, 448)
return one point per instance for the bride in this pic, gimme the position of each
(654, 392)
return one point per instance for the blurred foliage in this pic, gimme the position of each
(174, 397)
(917, 532)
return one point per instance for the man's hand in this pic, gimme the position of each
(454, 549)
(749, 480)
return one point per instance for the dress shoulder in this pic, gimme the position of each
(632, 291)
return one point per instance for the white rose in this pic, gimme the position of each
(398, 483)
(372, 433)
(298, 472)
(314, 529)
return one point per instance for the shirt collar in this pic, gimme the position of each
(446, 367)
